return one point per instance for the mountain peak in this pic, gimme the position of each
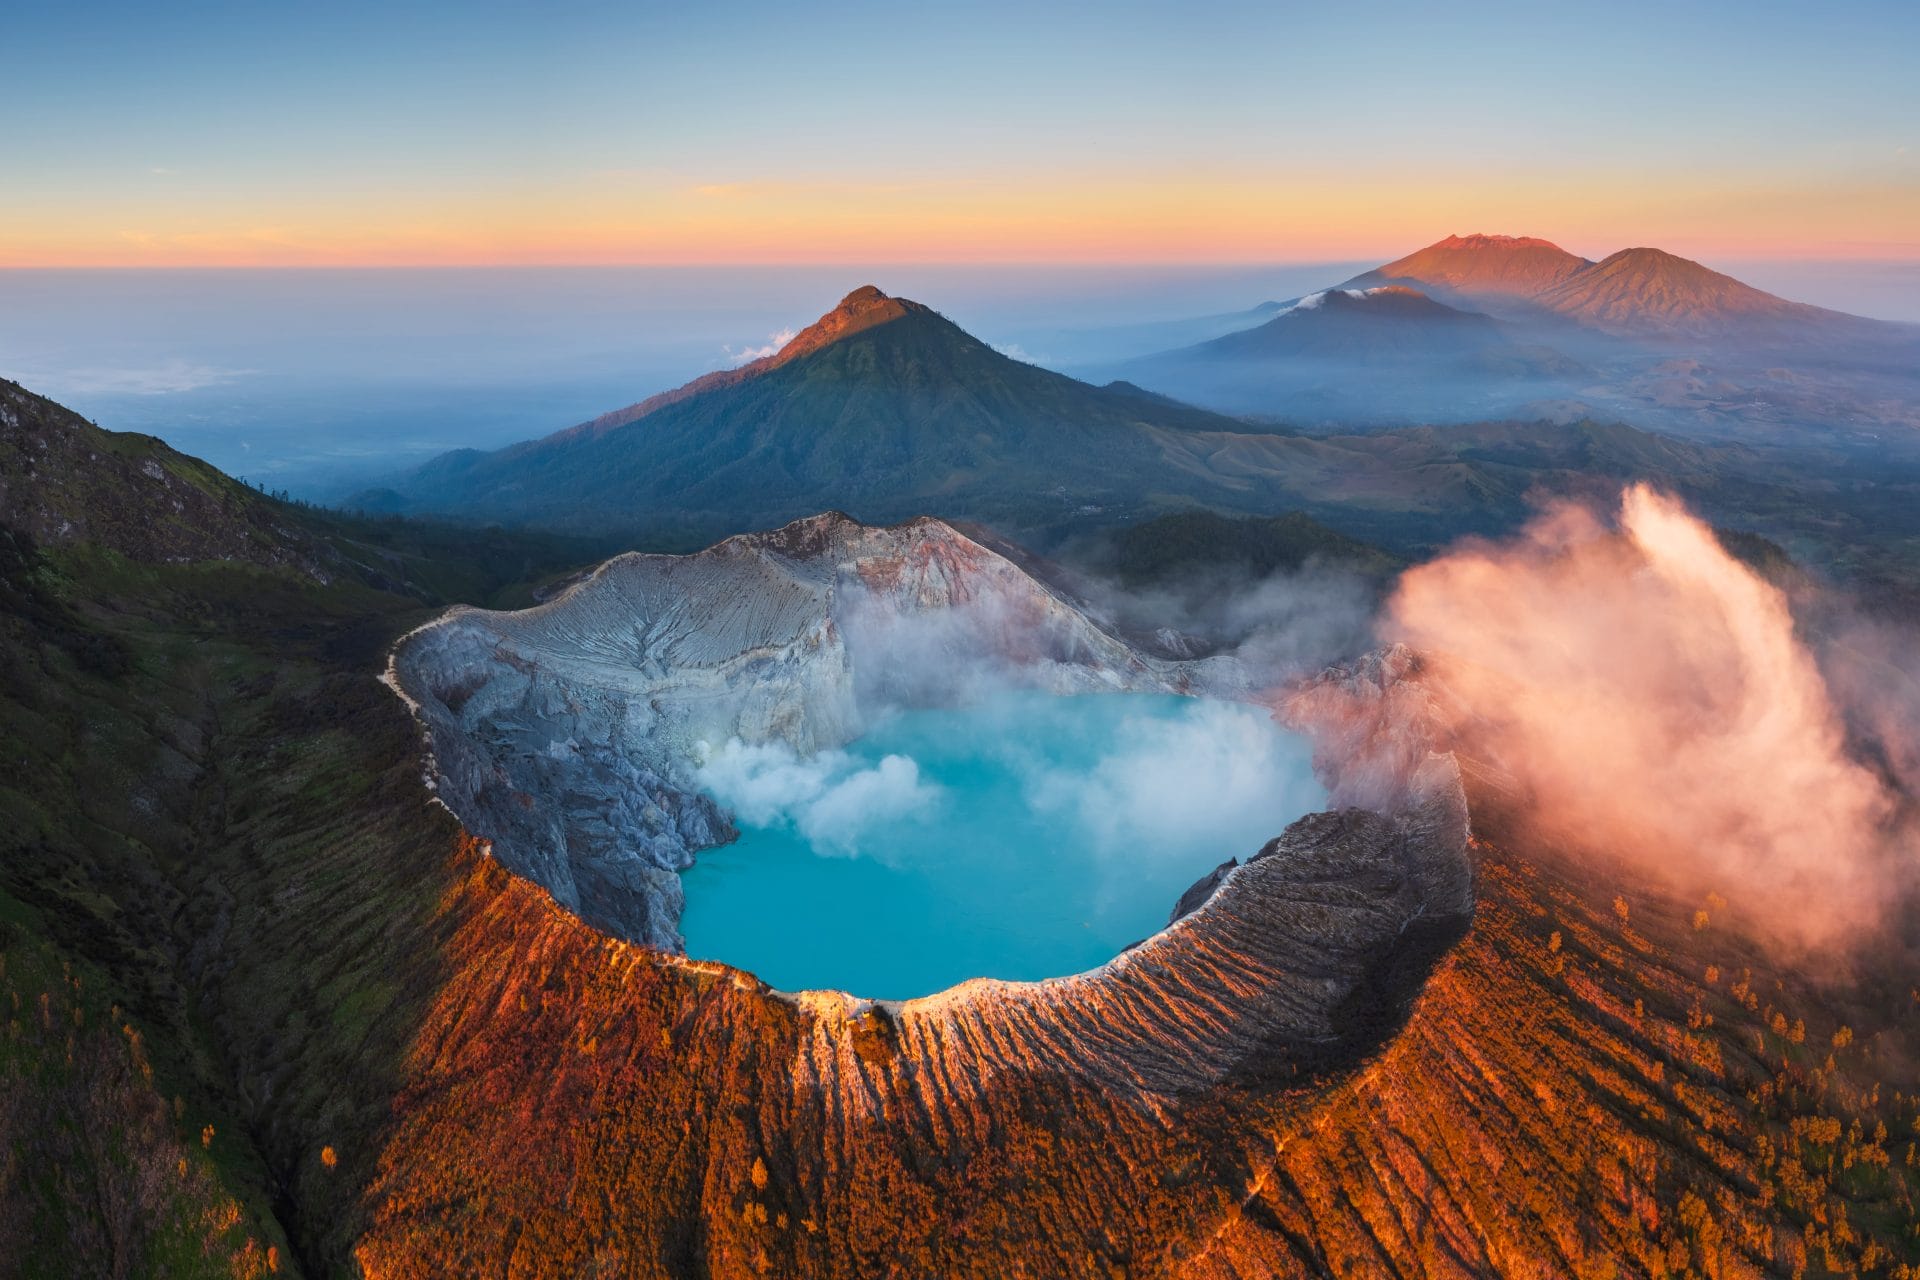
(1650, 288)
(1386, 327)
(865, 308)
(867, 295)
(1392, 299)
(1480, 264)
(862, 309)
(1650, 256)
(1481, 240)
(1645, 258)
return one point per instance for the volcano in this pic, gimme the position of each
(882, 406)
(1479, 266)
(1389, 321)
(1637, 290)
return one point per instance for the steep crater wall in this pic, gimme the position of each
(562, 735)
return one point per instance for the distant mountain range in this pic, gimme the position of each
(886, 409)
(1484, 326)
(1635, 293)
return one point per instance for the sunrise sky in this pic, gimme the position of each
(344, 134)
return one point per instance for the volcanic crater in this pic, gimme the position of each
(562, 735)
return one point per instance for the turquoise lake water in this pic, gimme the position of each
(1026, 837)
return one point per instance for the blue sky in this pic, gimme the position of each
(348, 132)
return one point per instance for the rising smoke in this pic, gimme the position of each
(833, 800)
(1651, 694)
(1182, 783)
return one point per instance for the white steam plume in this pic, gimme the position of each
(1651, 693)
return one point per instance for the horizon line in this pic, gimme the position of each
(1886, 255)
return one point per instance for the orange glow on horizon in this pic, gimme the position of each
(1196, 221)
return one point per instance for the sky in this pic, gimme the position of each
(251, 134)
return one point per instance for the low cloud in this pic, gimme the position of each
(772, 347)
(170, 377)
(978, 645)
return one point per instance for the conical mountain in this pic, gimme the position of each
(1642, 289)
(883, 407)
